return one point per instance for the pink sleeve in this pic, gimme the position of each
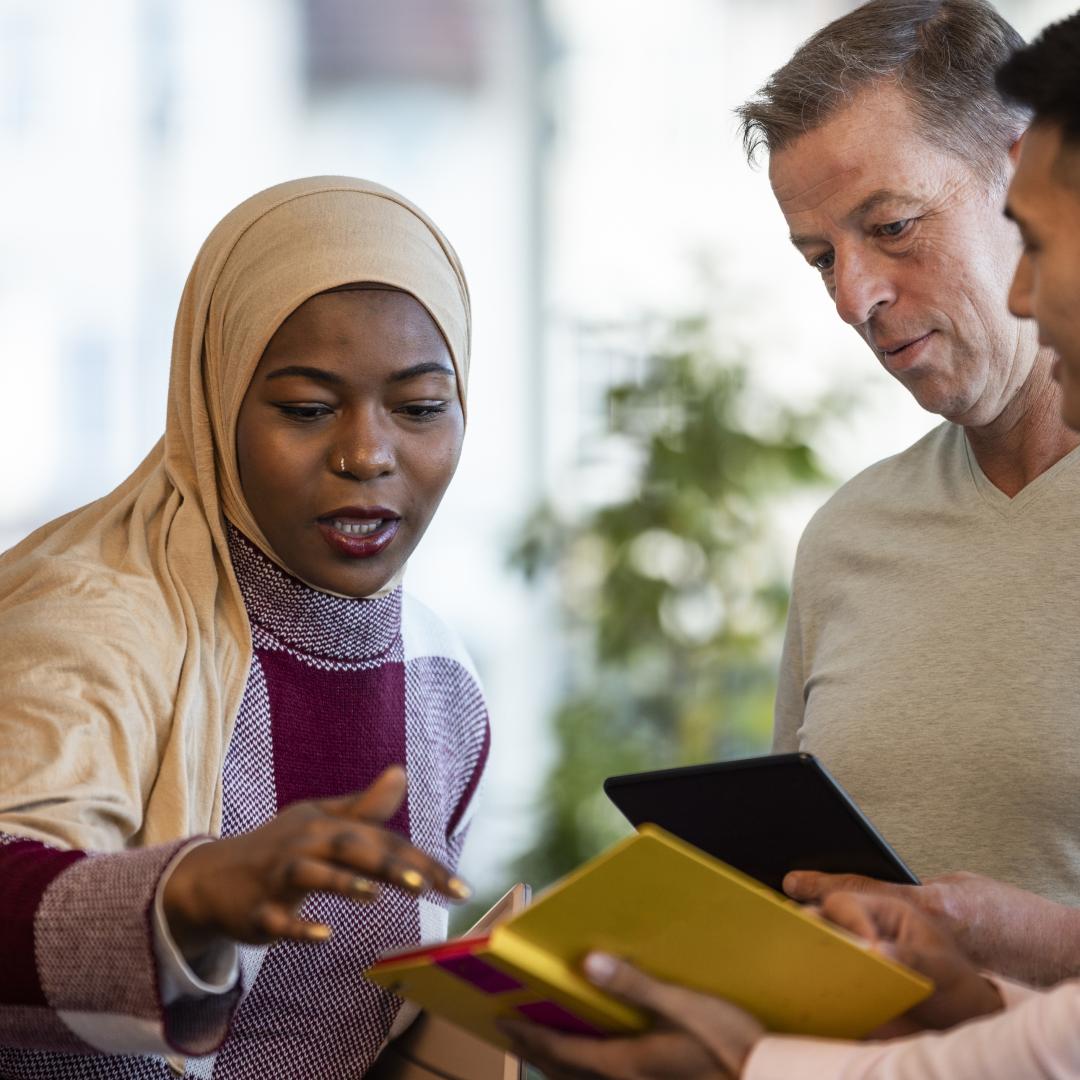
(1012, 993)
(1039, 1039)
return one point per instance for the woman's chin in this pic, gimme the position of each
(354, 581)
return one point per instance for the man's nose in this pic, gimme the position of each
(1020, 289)
(862, 286)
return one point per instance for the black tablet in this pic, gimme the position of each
(764, 816)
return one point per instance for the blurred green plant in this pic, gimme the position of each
(672, 600)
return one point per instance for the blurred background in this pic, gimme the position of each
(661, 391)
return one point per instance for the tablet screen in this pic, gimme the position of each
(764, 816)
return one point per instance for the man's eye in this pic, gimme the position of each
(824, 262)
(894, 228)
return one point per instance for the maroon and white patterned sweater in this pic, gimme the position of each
(338, 689)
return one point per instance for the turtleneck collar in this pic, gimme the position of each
(307, 620)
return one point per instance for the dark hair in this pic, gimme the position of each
(1045, 76)
(941, 53)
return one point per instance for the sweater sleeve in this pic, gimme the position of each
(81, 969)
(1038, 1038)
(790, 703)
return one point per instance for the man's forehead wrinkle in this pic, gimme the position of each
(808, 199)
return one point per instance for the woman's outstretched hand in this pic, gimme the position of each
(249, 888)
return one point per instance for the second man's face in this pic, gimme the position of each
(1044, 200)
(914, 252)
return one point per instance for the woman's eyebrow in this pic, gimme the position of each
(300, 371)
(431, 367)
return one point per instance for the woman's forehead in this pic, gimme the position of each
(367, 322)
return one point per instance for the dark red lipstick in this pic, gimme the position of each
(359, 532)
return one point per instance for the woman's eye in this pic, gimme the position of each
(305, 412)
(423, 410)
(824, 262)
(894, 228)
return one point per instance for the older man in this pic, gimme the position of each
(930, 659)
(1038, 1036)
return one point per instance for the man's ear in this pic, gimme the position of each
(1014, 150)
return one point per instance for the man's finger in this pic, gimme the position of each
(811, 885)
(873, 916)
(627, 982)
(723, 1029)
(666, 1054)
(542, 1046)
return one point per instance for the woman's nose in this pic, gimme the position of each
(365, 454)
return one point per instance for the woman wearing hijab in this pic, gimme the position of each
(212, 679)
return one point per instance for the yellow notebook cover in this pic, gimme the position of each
(678, 914)
(432, 1048)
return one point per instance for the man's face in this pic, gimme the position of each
(914, 252)
(1044, 200)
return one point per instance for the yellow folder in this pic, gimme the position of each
(434, 1049)
(678, 914)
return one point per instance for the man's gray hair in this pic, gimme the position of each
(942, 53)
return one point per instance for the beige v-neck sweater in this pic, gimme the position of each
(932, 661)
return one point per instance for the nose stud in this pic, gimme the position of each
(343, 469)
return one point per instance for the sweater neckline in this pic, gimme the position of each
(1011, 506)
(304, 618)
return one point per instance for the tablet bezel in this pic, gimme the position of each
(614, 786)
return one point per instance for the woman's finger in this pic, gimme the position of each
(386, 856)
(377, 803)
(299, 876)
(276, 921)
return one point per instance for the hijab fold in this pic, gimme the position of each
(124, 642)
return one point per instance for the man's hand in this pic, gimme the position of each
(696, 1037)
(999, 927)
(249, 888)
(900, 931)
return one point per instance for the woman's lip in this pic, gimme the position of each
(359, 513)
(358, 547)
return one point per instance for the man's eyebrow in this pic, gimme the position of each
(876, 198)
(868, 205)
(302, 372)
(430, 367)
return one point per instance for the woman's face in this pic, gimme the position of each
(348, 435)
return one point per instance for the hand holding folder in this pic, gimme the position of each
(676, 913)
(430, 1048)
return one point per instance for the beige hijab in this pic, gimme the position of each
(124, 643)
